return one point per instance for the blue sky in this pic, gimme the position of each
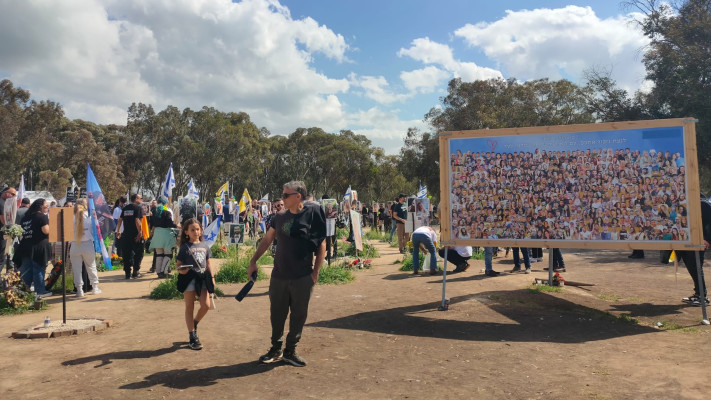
(375, 67)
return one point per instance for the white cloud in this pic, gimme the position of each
(384, 127)
(377, 88)
(425, 80)
(97, 57)
(429, 52)
(561, 43)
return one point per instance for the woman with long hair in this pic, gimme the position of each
(162, 237)
(82, 250)
(34, 249)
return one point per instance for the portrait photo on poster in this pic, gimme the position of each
(330, 208)
(581, 186)
(236, 233)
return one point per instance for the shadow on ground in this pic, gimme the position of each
(107, 358)
(183, 378)
(538, 317)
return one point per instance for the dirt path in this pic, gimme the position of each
(381, 337)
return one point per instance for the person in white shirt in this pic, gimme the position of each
(458, 255)
(82, 249)
(424, 238)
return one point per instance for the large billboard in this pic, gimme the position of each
(610, 185)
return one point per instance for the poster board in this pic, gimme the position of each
(67, 216)
(236, 234)
(621, 185)
(357, 230)
(330, 209)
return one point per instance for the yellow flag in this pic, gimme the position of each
(244, 201)
(222, 190)
(672, 256)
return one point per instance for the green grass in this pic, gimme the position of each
(369, 251)
(627, 318)
(671, 326)
(609, 297)
(377, 235)
(334, 275)
(168, 290)
(220, 250)
(544, 288)
(407, 262)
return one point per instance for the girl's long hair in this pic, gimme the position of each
(184, 238)
(79, 216)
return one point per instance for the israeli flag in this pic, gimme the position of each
(169, 183)
(348, 192)
(422, 193)
(192, 190)
(212, 231)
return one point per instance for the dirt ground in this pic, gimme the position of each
(381, 337)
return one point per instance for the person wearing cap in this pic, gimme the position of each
(24, 205)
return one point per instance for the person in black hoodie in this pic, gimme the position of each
(300, 229)
(689, 258)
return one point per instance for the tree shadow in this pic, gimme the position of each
(536, 318)
(108, 358)
(183, 378)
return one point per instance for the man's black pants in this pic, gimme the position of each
(132, 255)
(289, 295)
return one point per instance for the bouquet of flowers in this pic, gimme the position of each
(12, 231)
(558, 279)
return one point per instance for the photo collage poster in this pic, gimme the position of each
(593, 186)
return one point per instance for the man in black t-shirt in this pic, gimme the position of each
(301, 230)
(132, 236)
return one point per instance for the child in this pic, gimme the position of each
(196, 278)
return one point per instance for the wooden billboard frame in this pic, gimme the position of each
(694, 242)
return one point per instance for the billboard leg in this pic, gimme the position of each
(445, 302)
(550, 267)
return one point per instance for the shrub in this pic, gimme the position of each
(334, 275)
(407, 262)
(235, 271)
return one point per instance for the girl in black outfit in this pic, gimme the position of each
(196, 277)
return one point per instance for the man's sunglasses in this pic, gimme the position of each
(286, 195)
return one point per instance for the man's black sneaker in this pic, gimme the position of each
(491, 273)
(697, 302)
(292, 358)
(273, 355)
(194, 341)
(516, 269)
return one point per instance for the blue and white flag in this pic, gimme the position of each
(94, 194)
(212, 231)
(422, 192)
(192, 190)
(265, 198)
(348, 192)
(169, 183)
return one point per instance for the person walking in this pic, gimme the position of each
(517, 260)
(82, 250)
(301, 231)
(162, 237)
(131, 238)
(196, 277)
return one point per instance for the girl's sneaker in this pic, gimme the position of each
(96, 290)
(194, 341)
(80, 293)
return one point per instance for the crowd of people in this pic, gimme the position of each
(592, 194)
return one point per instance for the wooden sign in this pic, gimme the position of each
(620, 185)
(58, 217)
